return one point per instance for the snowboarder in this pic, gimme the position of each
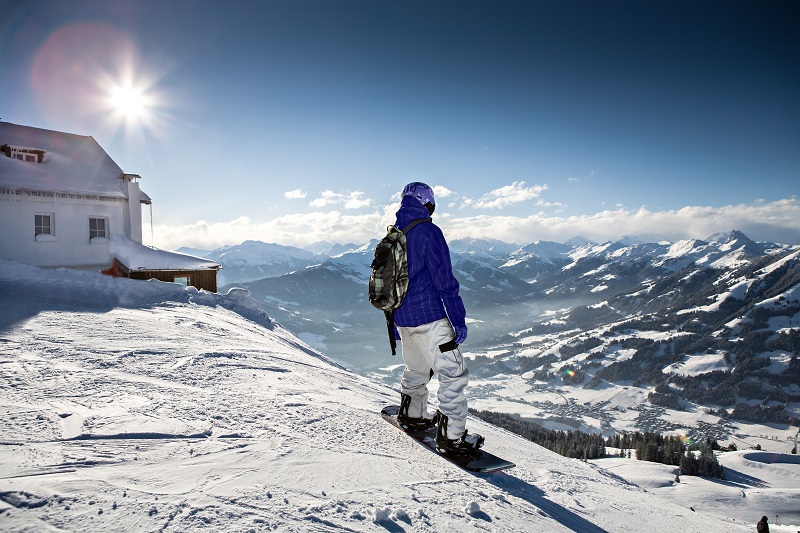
(762, 526)
(431, 323)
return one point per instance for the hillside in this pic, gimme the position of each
(709, 349)
(144, 406)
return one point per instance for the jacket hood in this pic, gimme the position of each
(410, 210)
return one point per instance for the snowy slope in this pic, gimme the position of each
(144, 406)
(756, 484)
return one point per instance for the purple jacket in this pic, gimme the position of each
(432, 289)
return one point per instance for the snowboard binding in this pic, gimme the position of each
(409, 423)
(466, 444)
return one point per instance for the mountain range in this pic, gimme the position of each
(569, 332)
(252, 260)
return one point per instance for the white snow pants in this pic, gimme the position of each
(421, 354)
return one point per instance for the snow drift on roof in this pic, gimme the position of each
(73, 164)
(137, 256)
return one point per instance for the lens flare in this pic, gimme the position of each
(93, 77)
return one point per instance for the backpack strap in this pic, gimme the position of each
(414, 223)
(390, 326)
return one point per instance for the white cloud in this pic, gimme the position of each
(440, 191)
(508, 195)
(351, 200)
(777, 221)
(355, 201)
(326, 198)
(296, 194)
(292, 230)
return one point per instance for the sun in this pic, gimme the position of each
(128, 101)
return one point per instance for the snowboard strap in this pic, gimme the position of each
(390, 326)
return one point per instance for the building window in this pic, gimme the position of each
(29, 155)
(44, 224)
(183, 280)
(97, 228)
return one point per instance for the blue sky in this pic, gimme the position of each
(295, 121)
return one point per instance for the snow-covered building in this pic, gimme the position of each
(65, 203)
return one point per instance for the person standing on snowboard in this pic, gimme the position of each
(431, 323)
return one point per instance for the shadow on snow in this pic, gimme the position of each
(521, 489)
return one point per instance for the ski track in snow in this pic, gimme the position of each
(179, 416)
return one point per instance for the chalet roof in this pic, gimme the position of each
(136, 256)
(73, 164)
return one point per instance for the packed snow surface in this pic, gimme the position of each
(146, 406)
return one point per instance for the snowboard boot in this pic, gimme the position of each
(410, 423)
(466, 444)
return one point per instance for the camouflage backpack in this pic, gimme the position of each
(389, 279)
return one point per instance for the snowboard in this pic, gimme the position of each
(480, 461)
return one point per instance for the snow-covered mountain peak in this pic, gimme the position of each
(325, 248)
(548, 249)
(369, 247)
(252, 260)
(684, 248)
(632, 240)
(732, 238)
(259, 252)
(593, 250)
